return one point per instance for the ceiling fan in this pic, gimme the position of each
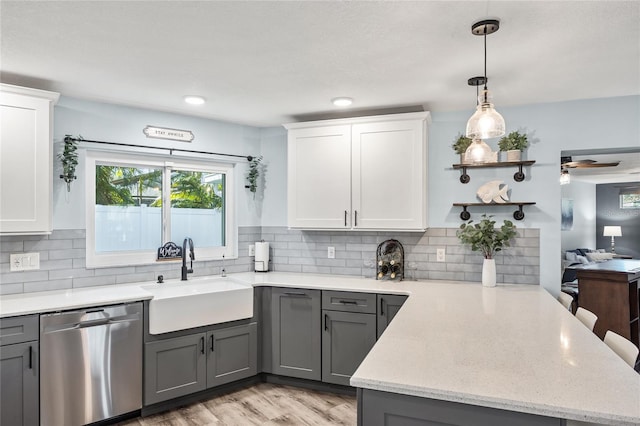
(568, 163)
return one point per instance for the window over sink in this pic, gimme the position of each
(138, 203)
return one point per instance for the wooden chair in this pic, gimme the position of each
(587, 317)
(566, 301)
(623, 347)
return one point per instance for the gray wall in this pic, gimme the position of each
(584, 216)
(610, 213)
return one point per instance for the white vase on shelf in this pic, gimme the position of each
(489, 273)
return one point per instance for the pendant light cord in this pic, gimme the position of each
(485, 64)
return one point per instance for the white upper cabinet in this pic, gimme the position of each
(26, 160)
(365, 173)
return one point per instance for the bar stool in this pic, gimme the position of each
(623, 347)
(587, 317)
(566, 301)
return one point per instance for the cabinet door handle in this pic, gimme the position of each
(348, 302)
(355, 224)
(202, 345)
(30, 357)
(381, 307)
(345, 218)
(295, 293)
(326, 327)
(212, 343)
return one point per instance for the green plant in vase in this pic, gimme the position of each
(486, 238)
(460, 146)
(513, 144)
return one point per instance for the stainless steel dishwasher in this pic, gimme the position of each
(90, 364)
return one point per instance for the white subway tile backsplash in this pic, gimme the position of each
(62, 256)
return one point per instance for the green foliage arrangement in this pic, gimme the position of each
(69, 159)
(253, 174)
(485, 237)
(461, 144)
(514, 141)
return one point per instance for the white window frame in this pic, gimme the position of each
(145, 257)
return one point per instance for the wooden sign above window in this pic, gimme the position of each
(166, 133)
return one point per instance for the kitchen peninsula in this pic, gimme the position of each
(610, 290)
(511, 351)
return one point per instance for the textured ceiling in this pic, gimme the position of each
(270, 62)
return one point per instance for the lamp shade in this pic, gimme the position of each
(612, 231)
(486, 122)
(478, 152)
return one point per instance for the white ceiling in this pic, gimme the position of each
(627, 171)
(270, 62)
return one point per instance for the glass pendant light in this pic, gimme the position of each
(486, 122)
(478, 152)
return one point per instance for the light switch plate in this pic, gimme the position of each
(252, 249)
(24, 262)
(331, 252)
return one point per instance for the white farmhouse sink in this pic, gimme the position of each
(178, 305)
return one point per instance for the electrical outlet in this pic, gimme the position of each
(252, 249)
(440, 255)
(24, 262)
(331, 252)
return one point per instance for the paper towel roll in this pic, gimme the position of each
(262, 257)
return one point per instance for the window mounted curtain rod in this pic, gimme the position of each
(171, 150)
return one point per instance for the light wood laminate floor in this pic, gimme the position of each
(262, 404)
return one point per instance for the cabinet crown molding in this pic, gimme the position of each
(424, 115)
(27, 91)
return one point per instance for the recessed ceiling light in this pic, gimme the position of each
(194, 100)
(342, 101)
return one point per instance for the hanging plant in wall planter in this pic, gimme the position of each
(253, 174)
(69, 159)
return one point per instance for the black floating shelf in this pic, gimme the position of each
(518, 176)
(517, 215)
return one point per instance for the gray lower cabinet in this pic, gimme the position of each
(295, 332)
(183, 365)
(174, 367)
(232, 354)
(388, 307)
(19, 372)
(347, 338)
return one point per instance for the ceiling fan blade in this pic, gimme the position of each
(595, 165)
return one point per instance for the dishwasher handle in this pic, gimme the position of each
(94, 323)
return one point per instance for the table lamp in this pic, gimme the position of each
(612, 231)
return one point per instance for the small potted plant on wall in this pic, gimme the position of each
(489, 240)
(513, 144)
(460, 146)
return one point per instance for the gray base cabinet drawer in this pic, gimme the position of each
(174, 367)
(19, 329)
(19, 391)
(388, 307)
(295, 333)
(232, 354)
(347, 338)
(348, 301)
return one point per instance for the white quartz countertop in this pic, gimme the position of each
(512, 347)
